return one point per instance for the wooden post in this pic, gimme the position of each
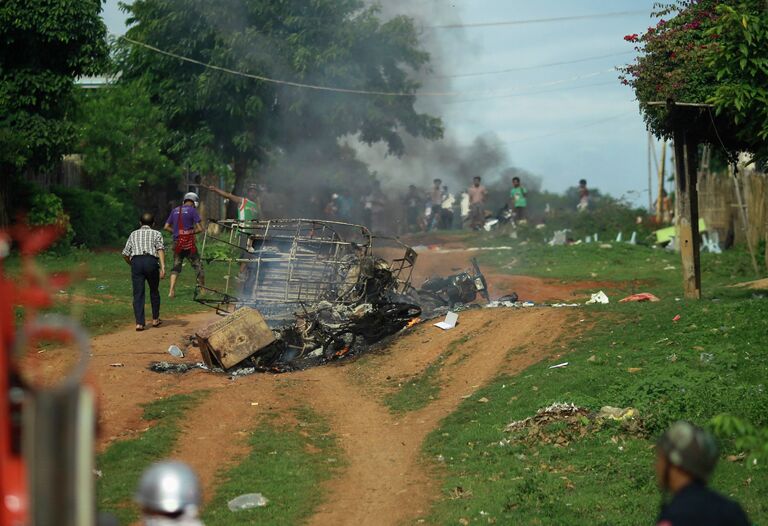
(686, 159)
(662, 166)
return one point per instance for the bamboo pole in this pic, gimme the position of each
(744, 219)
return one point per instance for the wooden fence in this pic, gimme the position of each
(718, 206)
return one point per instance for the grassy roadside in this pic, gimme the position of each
(418, 391)
(287, 465)
(122, 463)
(711, 361)
(101, 298)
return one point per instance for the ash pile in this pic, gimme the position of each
(299, 293)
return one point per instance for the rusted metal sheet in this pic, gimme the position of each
(234, 338)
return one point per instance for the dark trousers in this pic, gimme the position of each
(145, 268)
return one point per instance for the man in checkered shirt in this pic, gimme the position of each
(145, 253)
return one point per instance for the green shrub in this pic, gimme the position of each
(48, 209)
(99, 219)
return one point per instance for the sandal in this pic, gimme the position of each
(157, 323)
(139, 328)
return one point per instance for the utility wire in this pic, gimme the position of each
(349, 90)
(538, 20)
(534, 66)
(568, 130)
(529, 93)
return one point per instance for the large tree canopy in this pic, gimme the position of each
(122, 137)
(44, 45)
(707, 52)
(324, 42)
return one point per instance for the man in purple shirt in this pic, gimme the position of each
(184, 224)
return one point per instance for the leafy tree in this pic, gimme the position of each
(324, 42)
(707, 52)
(44, 45)
(122, 136)
(740, 61)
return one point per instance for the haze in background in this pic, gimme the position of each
(563, 122)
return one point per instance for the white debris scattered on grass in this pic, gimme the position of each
(598, 297)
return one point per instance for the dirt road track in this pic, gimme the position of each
(384, 480)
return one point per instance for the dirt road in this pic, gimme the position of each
(384, 476)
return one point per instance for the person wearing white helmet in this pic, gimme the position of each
(184, 223)
(686, 456)
(169, 495)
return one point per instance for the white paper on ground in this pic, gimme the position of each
(450, 321)
(558, 365)
(598, 297)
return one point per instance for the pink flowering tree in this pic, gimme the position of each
(706, 52)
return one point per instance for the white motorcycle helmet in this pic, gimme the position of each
(169, 487)
(191, 196)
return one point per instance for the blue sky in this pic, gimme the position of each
(565, 122)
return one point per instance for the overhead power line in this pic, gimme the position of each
(491, 94)
(568, 130)
(533, 66)
(529, 93)
(539, 20)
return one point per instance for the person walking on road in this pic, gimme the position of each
(518, 197)
(184, 223)
(477, 194)
(686, 456)
(145, 253)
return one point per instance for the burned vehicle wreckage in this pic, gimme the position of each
(300, 292)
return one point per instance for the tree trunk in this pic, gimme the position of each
(686, 160)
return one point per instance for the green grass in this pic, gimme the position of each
(287, 465)
(104, 300)
(418, 391)
(122, 463)
(633, 268)
(711, 361)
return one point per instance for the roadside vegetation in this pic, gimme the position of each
(708, 363)
(121, 465)
(287, 464)
(416, 392)
(100, 296)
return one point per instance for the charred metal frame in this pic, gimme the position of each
(289, 263)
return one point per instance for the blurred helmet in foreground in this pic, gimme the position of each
(168, 487)
(690, 448)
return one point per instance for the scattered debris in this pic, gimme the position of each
(450, 321)
(313, 291)
(676, 318)
(167, 367)
(572, 422)
(117, 364)
(483, 400)
(174, 351)
(616, 413)
(234, 338)
(247, 501)
(598, 297)
(564, 364)
(642, 296)
(560, 238)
